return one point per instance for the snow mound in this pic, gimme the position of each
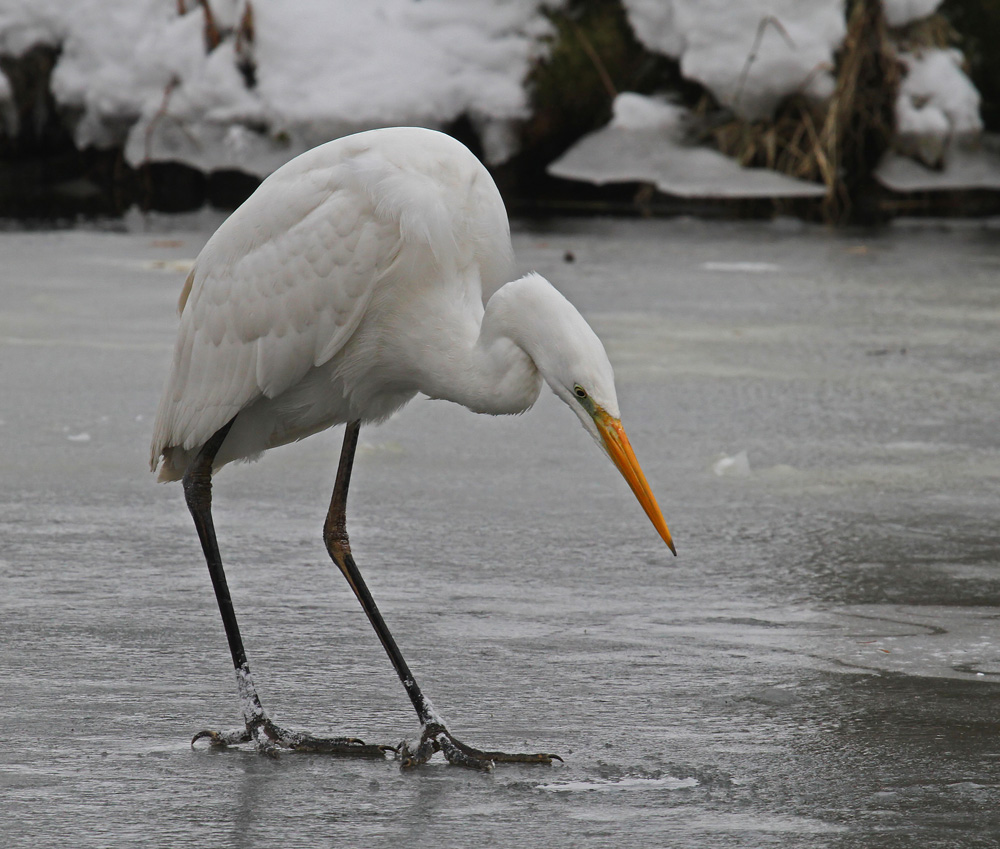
(750, 55)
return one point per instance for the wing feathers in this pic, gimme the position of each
(285, 281)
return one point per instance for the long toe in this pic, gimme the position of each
(271, 739)
(461, 754)
(345, 746)
(437, 738)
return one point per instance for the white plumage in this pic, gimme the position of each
(321, 261)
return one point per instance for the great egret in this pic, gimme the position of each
(352, 279)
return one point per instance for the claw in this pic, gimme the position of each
(424, 751)
(213, 737)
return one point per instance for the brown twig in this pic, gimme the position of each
(752, 55)
(594, 57)
(213, 35)
(157, 117)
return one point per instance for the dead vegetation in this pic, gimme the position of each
(216, 33)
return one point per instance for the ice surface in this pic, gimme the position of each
(819, 667)
(603, 785)
(742, 267)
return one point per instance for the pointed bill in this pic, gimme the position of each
(621, 453)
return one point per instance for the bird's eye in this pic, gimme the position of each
(580, 391)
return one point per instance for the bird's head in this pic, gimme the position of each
(572, 360)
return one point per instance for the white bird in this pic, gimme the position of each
(353, 278)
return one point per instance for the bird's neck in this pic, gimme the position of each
(490, 372)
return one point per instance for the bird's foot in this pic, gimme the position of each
(437, 738)
(270, 739)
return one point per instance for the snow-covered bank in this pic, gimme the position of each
(752, 57)
(139, 75)
(246, 85)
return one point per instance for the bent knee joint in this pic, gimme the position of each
(336, 541)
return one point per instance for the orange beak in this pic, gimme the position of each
(621, 453)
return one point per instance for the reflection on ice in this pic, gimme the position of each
(627, 783)
(950, 642)
(742, 267)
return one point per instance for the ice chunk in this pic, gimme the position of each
(644, 142)
(736, 466)
(963, 168)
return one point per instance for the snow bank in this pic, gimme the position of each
(138, 74)
(330, 68)
(899, 13)
(25, 23)
(754, 54)
(939, 139)
(937, 103)
(645, 142)
(750, 55)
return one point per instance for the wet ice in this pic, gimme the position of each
(818, 667)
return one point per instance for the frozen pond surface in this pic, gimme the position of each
(819, 667)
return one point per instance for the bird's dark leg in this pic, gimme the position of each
(435, 736)
(259, 729)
